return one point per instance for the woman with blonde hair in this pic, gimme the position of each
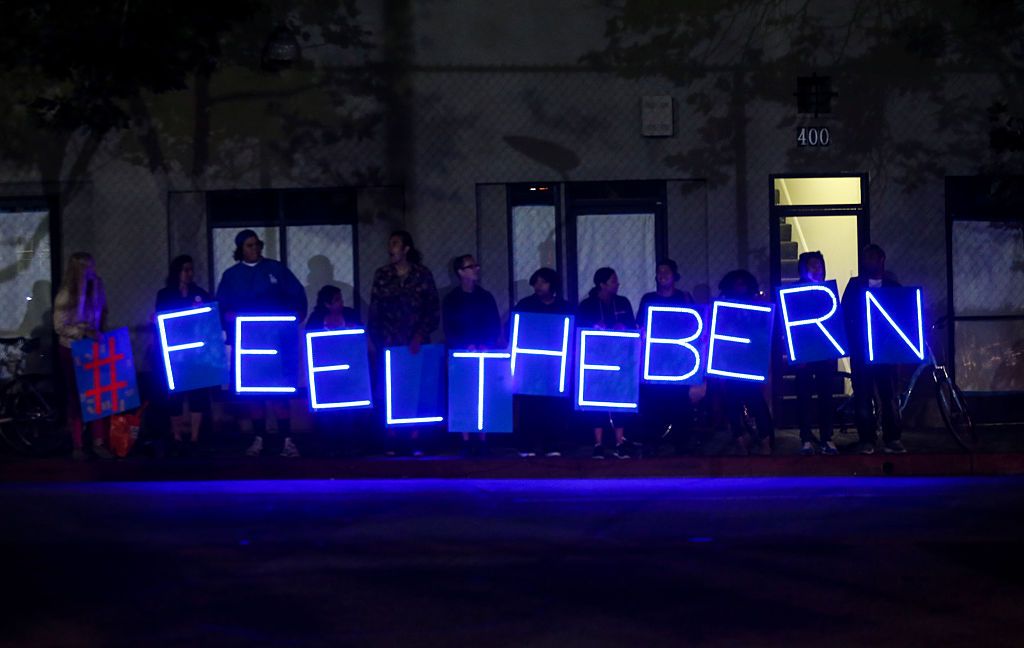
(79, 312)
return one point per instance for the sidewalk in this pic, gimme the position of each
(932, 452)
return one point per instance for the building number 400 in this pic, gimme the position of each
(813, 136)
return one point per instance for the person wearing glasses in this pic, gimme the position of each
(469, 317)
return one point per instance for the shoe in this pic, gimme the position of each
(807, 449)
(525, 454)
(78, 454)
(621, 452)
(289, 450)
(390, 453)
(829, 449)
(553, 453)
(894, 447)
(417, 453)
(255, 448)
(598, 452)
(866, 449)
(101, 451)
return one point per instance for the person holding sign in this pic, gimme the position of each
(871, 382)
(741, 398)
(404, 308)
(181, 292)
(815, 378)
(331, 314)
(605, 309)
(256, 285)
(80, 312)
(665, 406)
(470, 320)
(542, 418)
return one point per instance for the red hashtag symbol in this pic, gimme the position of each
(98, 363)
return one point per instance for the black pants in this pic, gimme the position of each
(816, 379)
(662, 406)
(737, 394)
(542, 422)
(876, 383)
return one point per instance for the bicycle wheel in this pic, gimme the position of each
(953, 407)
(32, 428)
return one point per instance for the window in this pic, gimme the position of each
(312, 231)
(534, 232)
(26, 272)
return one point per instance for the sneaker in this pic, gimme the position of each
(525, 454)
(417, 453)
(390, 453)
(289, 450)
(894, 447)
(866, 449)
(553, 453)
(829, 449)
(255, 448)
(807, 449)
(621, 452)
(78, 454)
(101, 451)
(598, 452)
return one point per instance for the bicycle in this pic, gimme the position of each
(28, 422)
(951, 401)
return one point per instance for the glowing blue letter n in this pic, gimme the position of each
(413, 385)
(747, 330)
(479, 391)
(672, 353)
(192, 348)
(608, 375)
(259, 342)
(813, 320)
(540, 368)
(338, 369)
(885, 309)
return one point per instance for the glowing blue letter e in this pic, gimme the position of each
(747, 358)
(895, 305)
(619, 385)
(344, 376)
(269, 329)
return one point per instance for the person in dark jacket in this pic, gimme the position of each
(470, 319)
(542, 420)
(665, 406)
(180, 292)
(605, 309)
(330, 312)
(871, 383)
(742, 397)
(815, 378)
(257, 285)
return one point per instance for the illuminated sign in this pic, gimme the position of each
(740, 341)
(540, 353)
(479, 391)
(674, 344)
(192, 348)
(894, 326)
(414, 385)
(264, 354)
(338, 369)
(608, 371)
(813, 321)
